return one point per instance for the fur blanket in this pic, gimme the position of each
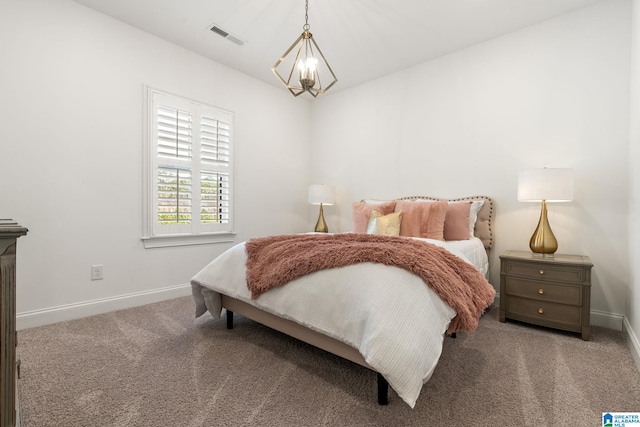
(276, 260)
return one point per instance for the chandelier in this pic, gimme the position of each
(306, 63)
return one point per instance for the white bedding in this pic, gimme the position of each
(472, 250)
(394, 320)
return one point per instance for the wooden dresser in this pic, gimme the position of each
(9, 233)
(553, 292)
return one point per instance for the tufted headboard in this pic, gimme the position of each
(484, 223)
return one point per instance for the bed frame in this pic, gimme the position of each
(483, 230)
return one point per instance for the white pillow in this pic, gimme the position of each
(476, 205)
(375, 202)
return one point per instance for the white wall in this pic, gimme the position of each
(70, 156)
(555, 94)
(633, 297)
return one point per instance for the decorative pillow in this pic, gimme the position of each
(456, 222)
(422, 219)
(362, 211)
(476, 205)
(384, 225)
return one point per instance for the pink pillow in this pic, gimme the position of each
(422, 219)
(456, 222)
(362, 212)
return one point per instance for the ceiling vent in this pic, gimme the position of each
(222, 33)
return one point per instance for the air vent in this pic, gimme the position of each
(222, 33)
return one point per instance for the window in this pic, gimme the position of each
(188, 178)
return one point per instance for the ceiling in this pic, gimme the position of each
(361, 39)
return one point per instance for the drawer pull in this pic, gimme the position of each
(541, 311)
(541, 291)
(541, 272)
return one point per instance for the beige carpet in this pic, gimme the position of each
(158, 366)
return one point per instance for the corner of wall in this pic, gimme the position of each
(632, 340)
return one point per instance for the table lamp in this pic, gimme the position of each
(321, 195)
(545, 185)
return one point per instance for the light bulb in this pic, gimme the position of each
(308, 72)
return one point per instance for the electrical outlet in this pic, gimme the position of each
(96, 272)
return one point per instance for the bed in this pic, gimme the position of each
(375, 314)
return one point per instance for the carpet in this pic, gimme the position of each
(157, 365)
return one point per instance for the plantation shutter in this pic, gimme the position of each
(192, 167)
(173, 139)
(215, 158)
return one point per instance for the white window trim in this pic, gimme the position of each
(187, 240)
(149, 158)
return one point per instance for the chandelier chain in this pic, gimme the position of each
(306, 16)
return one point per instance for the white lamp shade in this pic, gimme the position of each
(324, 194)
(552, 185)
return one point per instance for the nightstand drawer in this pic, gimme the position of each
(542, 291)
(543, 311)
(546, 272)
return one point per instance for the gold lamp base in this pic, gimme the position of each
(321, 226)
(543, 243)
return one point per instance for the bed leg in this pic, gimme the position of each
(383, 390)
(229, 319)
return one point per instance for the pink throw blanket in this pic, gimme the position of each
(276, 260)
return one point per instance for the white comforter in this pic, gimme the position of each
(395, 321)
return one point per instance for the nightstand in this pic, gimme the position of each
(553, 292)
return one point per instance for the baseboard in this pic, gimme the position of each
(632, 340)
(32, 319)
(606, 320)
